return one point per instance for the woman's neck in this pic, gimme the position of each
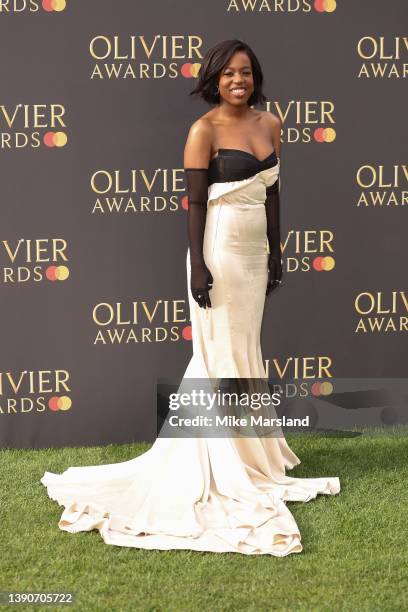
(228, 112)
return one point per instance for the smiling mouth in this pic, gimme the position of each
(238, 92)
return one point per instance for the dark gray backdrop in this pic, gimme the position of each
(142, 123)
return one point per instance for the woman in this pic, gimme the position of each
(220, 494)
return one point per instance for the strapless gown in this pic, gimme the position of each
(207, 494)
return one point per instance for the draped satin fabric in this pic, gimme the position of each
(207, 494)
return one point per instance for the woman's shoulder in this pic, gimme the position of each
(197, 150)
(202, 127)
(273, 125)
(204, 122)
(271, 119)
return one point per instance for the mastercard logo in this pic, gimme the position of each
(55, 139)
(321, 388)
(54, 273)
(190, 70)
(324, 135)
(56, 403)
(325, 6)
(323, 263)
(184, 202)
(54, 5)
(187, 332)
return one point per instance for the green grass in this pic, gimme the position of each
(355, 544)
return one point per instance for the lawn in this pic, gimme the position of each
(355, 553)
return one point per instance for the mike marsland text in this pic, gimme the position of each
(233, 421)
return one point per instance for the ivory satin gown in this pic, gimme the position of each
(207, 494)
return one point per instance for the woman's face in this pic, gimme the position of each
(236, 82)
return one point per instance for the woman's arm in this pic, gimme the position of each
(272, 206)
(196, 161)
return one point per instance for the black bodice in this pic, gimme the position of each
(236, 165)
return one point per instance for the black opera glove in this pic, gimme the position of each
(272, 204)
(197, 190)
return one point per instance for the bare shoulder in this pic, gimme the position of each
(201, 127)
(197, 150)
(272, 120)
(274, 124)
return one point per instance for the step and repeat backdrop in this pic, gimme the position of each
(94, 114)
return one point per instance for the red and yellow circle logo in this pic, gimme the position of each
(54, 5)
(57, 403)
(54, 273)
(55, 139)
(323, 264)
(321, 388)
(325, 6)
(324, 135)
(190, 70)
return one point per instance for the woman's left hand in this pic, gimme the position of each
(274, 273)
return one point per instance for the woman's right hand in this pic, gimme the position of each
(200, 284)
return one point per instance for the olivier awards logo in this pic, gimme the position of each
(383, 57)
(306, 250)
(382, 186)
(305, 120)
(34, 260)
(32, 126)
(136, 191)
(34, 391)
(32, 6)
(381, 311)
(281, 6)
(303, 373)
(140, 57)
(150, 321)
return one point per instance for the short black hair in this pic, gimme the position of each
(214, 61)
